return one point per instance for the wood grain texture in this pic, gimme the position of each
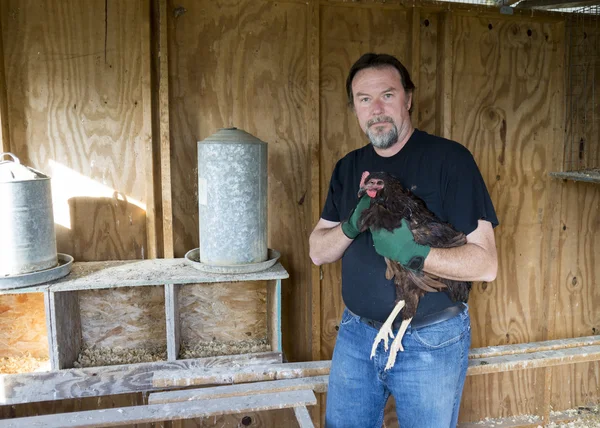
(508, 80)
(509, 139)
(223, 311)
(499, 395)
(577, 293)
(4, 127)
(109, 380)
(23, 329)
(314, 112)
(346, 34)
(425, 119)
(315, 383)
(173, 321)
(74, 82)
(445, 75)
(244, 63)
(66, 329)
(162, 123)
(128, 318)
(159, 412)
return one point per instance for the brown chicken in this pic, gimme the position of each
(390, 203)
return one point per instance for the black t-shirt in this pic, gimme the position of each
(441, 172)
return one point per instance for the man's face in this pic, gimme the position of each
(381, 105)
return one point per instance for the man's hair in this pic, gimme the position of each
(373, 60)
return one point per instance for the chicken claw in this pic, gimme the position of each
(386, 329)
(397, 344)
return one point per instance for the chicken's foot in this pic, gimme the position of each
(397, 344)
(386, 329)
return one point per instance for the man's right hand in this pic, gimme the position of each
(350, 226)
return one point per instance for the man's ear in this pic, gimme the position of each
(409, 100)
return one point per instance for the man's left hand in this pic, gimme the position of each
(399, 245)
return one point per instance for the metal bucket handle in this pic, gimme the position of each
(15, 159)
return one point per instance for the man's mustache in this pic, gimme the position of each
(379, 119)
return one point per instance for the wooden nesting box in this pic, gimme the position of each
(23, 333)
(123, 312)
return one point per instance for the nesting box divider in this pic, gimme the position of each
(274, 314)
(64, 328)
(173, 321)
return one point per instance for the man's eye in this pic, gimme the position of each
(388, 96)
(364, 100)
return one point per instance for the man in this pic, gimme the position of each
(428, 376)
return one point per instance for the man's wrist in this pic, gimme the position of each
(350, 231)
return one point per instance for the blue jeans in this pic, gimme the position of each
(426, 381)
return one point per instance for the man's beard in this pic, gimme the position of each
(382, 140)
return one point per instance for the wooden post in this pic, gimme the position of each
(551, 232)
(274, 314)
(164, 133)
(443, 123)
(415, 62)
(313, 120)
(146, 133)
(172, 315)
(65, 326)
(4, 130)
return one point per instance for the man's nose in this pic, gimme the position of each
(377, 107)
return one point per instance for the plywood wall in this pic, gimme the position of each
(78, 104)
(244, 64)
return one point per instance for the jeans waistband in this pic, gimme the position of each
(427, 320)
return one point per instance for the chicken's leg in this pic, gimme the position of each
(386, 329)
(397, 344)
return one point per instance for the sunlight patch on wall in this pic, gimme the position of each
(67, 184)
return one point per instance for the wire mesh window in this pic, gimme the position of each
(582, 137)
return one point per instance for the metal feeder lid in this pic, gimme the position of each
(232, 136)
(12, 170)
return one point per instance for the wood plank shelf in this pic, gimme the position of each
(137, 304)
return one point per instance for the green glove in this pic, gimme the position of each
(400, 246)
(350, 226)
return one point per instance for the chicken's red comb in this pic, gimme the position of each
(365, 174)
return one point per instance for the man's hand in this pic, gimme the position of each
(400, 246)
(350, 226)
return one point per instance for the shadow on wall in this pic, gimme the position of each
(103, 228)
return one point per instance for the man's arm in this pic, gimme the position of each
(475, 261)
(327, 242)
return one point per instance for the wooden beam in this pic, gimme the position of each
(146, 132)
(498, 360)
(303, 417)
(533, 421)
(415, 61)
(522, 348)
(173, 322)
(314, 383)
(109, 380)
(164, 128)
(554, 4)
(313, 121)
(65, 326)
(133, 273)
(274, 314)
(209, 376)
(533, 360)
(166, 412)
(443, 123)
(551, 230)
(4, 129)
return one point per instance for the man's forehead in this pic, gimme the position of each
(386, 74)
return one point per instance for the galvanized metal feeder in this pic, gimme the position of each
(28, 246)
(232, 204)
